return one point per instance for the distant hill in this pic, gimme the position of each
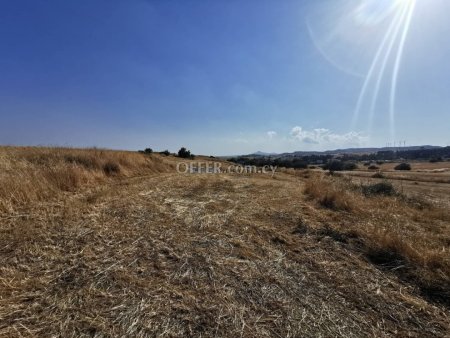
(301, 159)
(261, 153)
(345, 151)
(375, 150)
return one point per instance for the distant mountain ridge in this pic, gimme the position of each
(346, 151)
(262, 153)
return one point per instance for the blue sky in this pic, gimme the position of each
(219, 77)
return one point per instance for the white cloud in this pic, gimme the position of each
(323, 136)
(271, 134)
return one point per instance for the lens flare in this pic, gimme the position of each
(402, 20)
(379, 30)
(412, 5)
(393, 29)
(383, 67)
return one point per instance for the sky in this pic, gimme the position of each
(224, 77)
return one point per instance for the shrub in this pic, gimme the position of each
(334, 165)
(382, 188)
(299, 164)
(184, 153)
(111, 168)
(378, 175)
(337, 165)
(165, 153)
(373, 167)
(436, 159)
(148, 150)
(350, 166)
(403, 166)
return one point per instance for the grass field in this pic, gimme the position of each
(429, 181)
(99, 243)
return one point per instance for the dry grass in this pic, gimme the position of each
(171, 255)
(395, 232)
(432, 176)
(330, 193)
(30, 174)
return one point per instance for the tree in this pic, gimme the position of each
(184, 153)
(334, 165)
(337, 165)
(148, 150)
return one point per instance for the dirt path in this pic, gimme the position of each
(196, 255)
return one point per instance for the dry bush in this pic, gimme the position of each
(378, 175)
(34, 174)
(329, 194)
(111, 168)
(382, 188)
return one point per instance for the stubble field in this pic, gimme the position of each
(124, 246)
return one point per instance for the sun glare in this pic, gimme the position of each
(368, 36)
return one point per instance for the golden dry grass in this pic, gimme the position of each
(150, 252)
(396, 232)
(421, 172)
(30, 174)
(330, 193)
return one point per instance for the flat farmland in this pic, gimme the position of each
(430, 181)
